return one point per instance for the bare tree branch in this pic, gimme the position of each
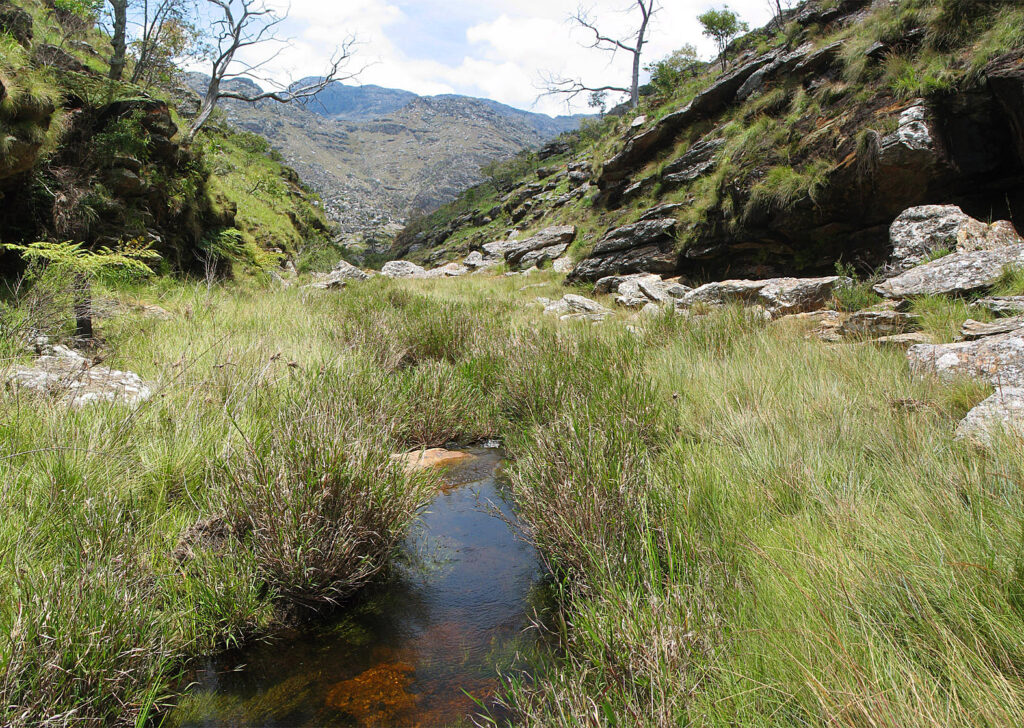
(242, 24)
(632, 43)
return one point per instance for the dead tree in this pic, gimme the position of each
(241, 24)
(632, 44)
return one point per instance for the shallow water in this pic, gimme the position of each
(454, 616)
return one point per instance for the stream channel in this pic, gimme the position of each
(426, 648)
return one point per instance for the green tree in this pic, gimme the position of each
(722, 26)
(84, 266)
(669, 73)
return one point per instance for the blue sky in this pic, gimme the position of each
(496, 50)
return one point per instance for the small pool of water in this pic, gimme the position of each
(420, 650)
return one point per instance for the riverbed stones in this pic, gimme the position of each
(68, 376)
(1003, 412)
(996, 359)
(778, 296)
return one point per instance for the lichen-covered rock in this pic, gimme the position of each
(881, 320)
(478, 261)
(996, 359)
(562, 265)
(921, 232)
(779, 296)
(1003, 412)
(574, 307)
(402, 269)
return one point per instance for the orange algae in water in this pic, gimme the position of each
(377, 697)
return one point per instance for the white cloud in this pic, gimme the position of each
(502, 56)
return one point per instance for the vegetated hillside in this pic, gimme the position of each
(798, 156)
(91, 160)
(378, 156)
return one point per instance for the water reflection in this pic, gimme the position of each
(418, 652)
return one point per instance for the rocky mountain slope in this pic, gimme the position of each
(380, 155)
(798, 157)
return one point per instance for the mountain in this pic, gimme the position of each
(378, 155)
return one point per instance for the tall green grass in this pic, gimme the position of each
(745, 527)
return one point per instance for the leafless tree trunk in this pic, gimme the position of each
(119, 10)
(245, 23)
(632, 44)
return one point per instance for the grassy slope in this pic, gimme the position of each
(780, 144)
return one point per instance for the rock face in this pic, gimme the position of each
(996, 359)
(67, 376)
(647, 246)
(1002, 412)
(876, 321)
(778, 296)
(402, 269)
(548, 244)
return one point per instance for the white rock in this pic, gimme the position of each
(1002, 412)
(402, 269)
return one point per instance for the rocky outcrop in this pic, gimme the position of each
(17, 23)
(958, 273)
(979, 253)
(1001, 305)
(877, 321)
(698, 161)
(339, 277)
(972, 330)
(778, 296)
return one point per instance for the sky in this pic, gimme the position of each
(487, 48)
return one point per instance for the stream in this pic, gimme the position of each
(426, 648)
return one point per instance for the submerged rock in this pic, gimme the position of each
(432, 458)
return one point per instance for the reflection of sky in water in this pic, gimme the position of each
(453, 615)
